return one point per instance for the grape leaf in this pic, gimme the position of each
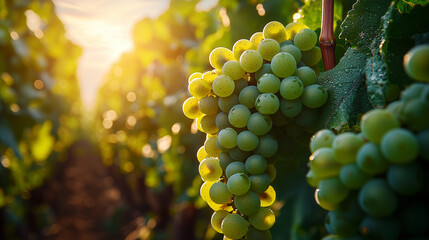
(362, 22)
(347, 92)
(396, 36)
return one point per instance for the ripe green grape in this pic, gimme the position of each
(234, 226)
(211, 147)
(293, 28)
(240, 84)
(267, 147)
(219, 56)
(227, 138)
(322, 202)
(332, 190)
(305, 39)
(217, 218)
(275, 30)
(210, 169)
(415, 114)
(256, 164)
(247, 141)
(266, 68)
(322, 138)
(219, 193)
(306, 75)
(225, 160)
(312, 179)
(324, 164)
(238, 155)
(242, 45)
(376, 199)
(248, 96)
(208, 78)
(314, 96)
(195, 75)
(208, 105)
(375, 123)
(259, 183)
(256, 38)
(405, 179)
(259, 124)
(416, 63)
(233, 69)
(205, 189)
(268, 197)
(413, 91)
(223, 86)
(197, 89)
(291, 108)
(191, 109)
(371, 160)
(238, 184)
(239, 115)
(267, 103)
(353, 177)
(283, 64)
(226, 103)
(346, 146)
(235, 167)
(400, 146)
(291, 88)
(268, 83)
(268, 48)
(292, 50)
(263, 219)
(248, 203)
(208, 124)
(222, 121)
(201, 154)
(312, 56)
(251, 61)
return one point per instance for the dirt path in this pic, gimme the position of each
(85, 201)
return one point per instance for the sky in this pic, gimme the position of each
(103, 29)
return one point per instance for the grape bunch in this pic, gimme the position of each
(243, 105)
(374, 183)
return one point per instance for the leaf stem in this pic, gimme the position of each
(327, 37)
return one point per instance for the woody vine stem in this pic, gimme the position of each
(327, 37)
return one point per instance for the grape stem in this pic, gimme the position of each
(327, 37)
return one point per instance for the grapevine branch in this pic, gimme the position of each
(327, 37)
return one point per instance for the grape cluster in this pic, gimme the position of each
(262, 83)
(374, 183)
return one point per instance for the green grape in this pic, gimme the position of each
(263, 219)
(324, 164)
(242, 45)
(195, 75)
(400, 146)
(312, 56)
(223, 86)
(208, 105)
(423, 139)
(233, 69)
(239, 115)
(339, 224)
(346, 147)
(283, 64)
(226, 103)
(210, 169)
(291, 88)
(221, 148)
(234, 226)
(293, 28)
(239, 155)
(201, 154)
(312, 179)
(259, 183)
(197, 89)
(268, 48)
(415, 114)
(413, 91)
(259, 124)
(376, 199)
(307, 117)
(255, 234)
(208, 124)
(204, 190)
(247, 141)
(371, 160)
(235, 167)
(191, 109)
(217, 218)
(395, 108)
(211, 147)
(267, 103)
(405, 179)
(416, 63)
(305, 39)
(381, 229)
(292, 50)
(219, 193)
(248, 96)
(314, 96)
(332, 190)
(219, 56)
(376, 122)
(306, 75)
(268, 83)
(227, 138)
(284, 43)
(208, 78)
(256, 164)
(267, 147)
(225, 160)
(291, 108)
(256, 38)
(275, 30)
(240, 84)
(268, 197)
(323, 138)
(222, 121)
(353, 177)
(266, 68)
(238, 184)
(323, 203)
(271, 171)
(248, 203)
(251, 61)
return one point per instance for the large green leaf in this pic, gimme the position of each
(347, 92)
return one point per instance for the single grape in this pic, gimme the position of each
(291, 88)
(324, 164)
(268, 48)
(283, 64)
(240, 84)
(259, 124)
(375, 123)
(217, 218)
(239, 115)
(219, 56)
(226, 103)
(222, 121)
(208, 78)
(323, 203)
(415, 115)
(353, 177)
(312, 56)
(322, 138)
(332, 190)
(266, 68)
(416, 63)
(197, 89)
(211, 147)
(268, 197)
(202, 154)
(191, 109)
(208, 124)
(267, 147)
(314, 96)
(195, 75)
(405, 179)
(291, 108)
(400, 146)
(225, 160)
(242, 45)
(248, 203)
(205, 189)
(305, 39)
(227, 138)
(251, 61)
(233, 69)
(256, 38)
(413, 91)
(208, 105)
(371, 160)
(223, 86)
(210, 169)
(259, 183)
(239, 155)
(238, 184)
(219, 193)
(306, 75)
(247, 141)
(268, 83)
(312, 179)
(248, 96)
(267, 103)
(376, 199)
(346, 147)
(275, 30)
(256, 164)
(235, 167)
(234, 226)
(292, 50)
(263, 219)
(293, 28)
